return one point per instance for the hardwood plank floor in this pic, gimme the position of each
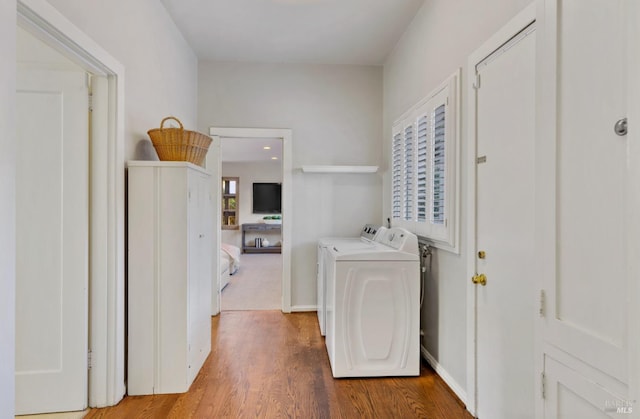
(265, 364)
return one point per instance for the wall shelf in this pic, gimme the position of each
(260, 228)
(339, 169)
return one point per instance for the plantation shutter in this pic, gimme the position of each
(409, 173)
(422, 199)
(397, 176)
(438, 166)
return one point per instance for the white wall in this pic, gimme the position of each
(334, 112)
(438, 41)
(160, 67)
(248, 174)
(7, 206)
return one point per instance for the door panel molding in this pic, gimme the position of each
(571, 394)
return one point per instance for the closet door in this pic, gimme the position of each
(505, 312)
(52, 226)
(582, 212)
(200, 276)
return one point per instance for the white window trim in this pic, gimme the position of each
(444, 236)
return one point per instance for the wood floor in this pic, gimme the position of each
(265, 364)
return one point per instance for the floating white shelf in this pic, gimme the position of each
(339, 169)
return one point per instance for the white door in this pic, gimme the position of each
(52, 241)
(505, 129)
(582, 212)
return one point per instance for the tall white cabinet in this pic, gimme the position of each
(170, 271)
(586, 247)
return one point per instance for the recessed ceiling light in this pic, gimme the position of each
(274, 158)
(266, 147)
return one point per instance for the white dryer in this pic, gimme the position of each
(373, 307)
(367, 235)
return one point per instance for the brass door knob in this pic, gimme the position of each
(479, 279)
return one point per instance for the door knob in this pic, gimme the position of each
(620, 127)
(479, 279)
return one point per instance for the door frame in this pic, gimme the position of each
(513, 27)
(106, 196)
(285, 135)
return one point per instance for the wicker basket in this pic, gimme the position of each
(178, 144)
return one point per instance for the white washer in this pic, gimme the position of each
(367, 235)
(373, 307)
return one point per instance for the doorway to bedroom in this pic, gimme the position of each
(254, 260)
(251, 240)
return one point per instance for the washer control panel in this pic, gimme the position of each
(371, 231)
(399, 239)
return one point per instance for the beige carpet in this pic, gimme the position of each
(257, 285)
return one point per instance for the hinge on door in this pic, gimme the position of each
(89, 84)
(541, 310)
(476, 84)
(89, 359)
(542, 384)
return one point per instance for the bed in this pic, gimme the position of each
(229, 262)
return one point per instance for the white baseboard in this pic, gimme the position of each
(455, 387)
(297, 309)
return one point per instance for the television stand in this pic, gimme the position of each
(257, 228)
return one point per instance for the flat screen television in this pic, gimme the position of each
(267, 198)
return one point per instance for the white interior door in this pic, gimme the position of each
(583, 213)
(52, 241)
(505, 129)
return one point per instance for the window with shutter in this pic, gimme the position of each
(424, 184)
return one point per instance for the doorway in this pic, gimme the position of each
(502, 288)
(251, 242)
(103, 204)
(252, 225)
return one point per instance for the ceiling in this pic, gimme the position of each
(242, 150)
(353, 32)
(358, 32)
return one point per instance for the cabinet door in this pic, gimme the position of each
(583, 218)
(199, 277)
(205, 263)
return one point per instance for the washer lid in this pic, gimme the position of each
(373, 252)
(369, 233)
(331, 241)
